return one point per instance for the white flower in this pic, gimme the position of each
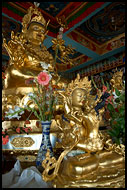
(12, 116)
(44, 65)
(47, 102)
(114, 94)
(47, 95)
(10, 111)
(22, 112)
(18, 117)
(31, 94)
(15, 115)
(17, 108)
(50, 76)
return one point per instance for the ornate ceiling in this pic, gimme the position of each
(95, 29)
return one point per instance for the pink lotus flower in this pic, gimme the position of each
(43, 78)
(18, 130)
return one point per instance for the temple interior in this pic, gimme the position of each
(63, 94)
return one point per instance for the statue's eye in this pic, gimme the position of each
(35, 28)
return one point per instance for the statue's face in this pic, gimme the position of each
(78, 97)
(35, 33)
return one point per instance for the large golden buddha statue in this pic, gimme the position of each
(90, 159)
(28, 57)
(26, 50)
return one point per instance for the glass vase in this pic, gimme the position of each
(45, 144)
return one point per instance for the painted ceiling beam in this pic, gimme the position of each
(48, 42)
(88, 17)
(99, 58)
(80, 48)
(3, 14)
(75, 26)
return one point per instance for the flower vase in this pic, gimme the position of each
(45, 144)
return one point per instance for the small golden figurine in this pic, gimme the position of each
(94, 160)
(117, 81)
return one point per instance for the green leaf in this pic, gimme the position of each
(117, 100)
(112, 133)
(117, 92)
(110, 107)
(107, 84)
(122, 97)
(122, 109)
(102, 81)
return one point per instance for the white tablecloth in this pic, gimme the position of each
(27, 178)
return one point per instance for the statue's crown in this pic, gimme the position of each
(117, 74)
(33, 15)
(83, 83)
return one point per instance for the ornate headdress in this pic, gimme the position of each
(78, 83)
(117, 74)
(33, 15)
(114, 83)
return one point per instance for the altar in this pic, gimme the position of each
(63, 112)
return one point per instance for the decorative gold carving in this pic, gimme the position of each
(20, 152)
(22, 142)
(26, 158)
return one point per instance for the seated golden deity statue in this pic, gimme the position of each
(89, 157)
(28, 57)
(26, 50)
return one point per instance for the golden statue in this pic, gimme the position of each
(26, 50)
(28, 57)
(117, 81)
(89, 157)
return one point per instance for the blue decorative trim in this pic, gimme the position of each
(3, 14)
